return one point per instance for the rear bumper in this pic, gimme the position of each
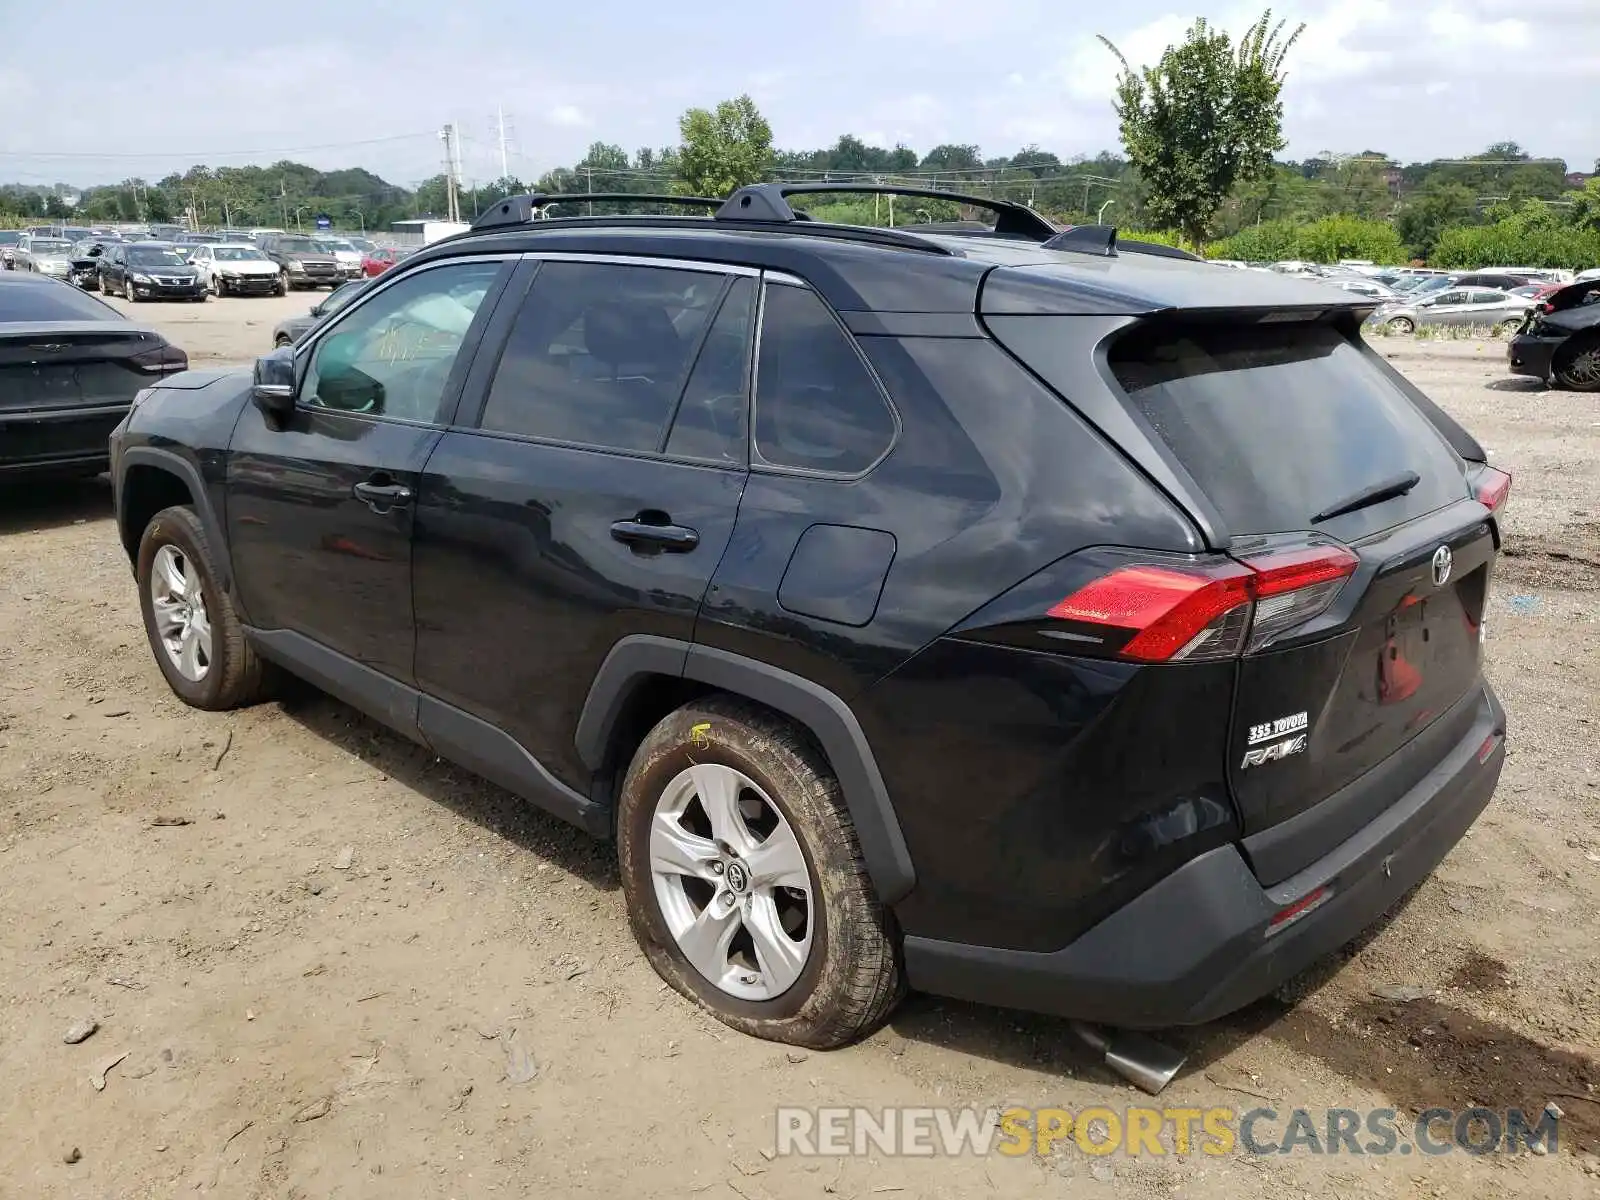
(1196, 947)
(65, 441)
(1530, 355)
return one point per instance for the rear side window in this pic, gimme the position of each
(817, 406)
(600, 353)
(711, 416)
(47, 300)
(1277, 423)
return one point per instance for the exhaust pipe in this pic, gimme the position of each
(1142, 1061)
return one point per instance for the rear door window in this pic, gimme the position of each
(1278, 423)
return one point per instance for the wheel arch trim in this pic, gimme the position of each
(175, 464)
(635, 659)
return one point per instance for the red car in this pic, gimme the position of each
(380, 260)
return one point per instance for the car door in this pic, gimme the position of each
(111, 268)
(1448, 307)
(320, 502)
(587, 495)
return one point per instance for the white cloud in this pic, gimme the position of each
(568, 116)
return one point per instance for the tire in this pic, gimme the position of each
(286, 284)
(849, 977)
(233, 675)
(1507, 328)
(1577, 365)
(281, 342)
(218, 287)
(1400, 325)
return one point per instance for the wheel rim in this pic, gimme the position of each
(179, 603)
(1401, 325)
(732, 882)
(1585, 367)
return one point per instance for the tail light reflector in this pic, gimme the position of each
(1492, 487)
(161, 359)
(1289, 914)
(1175, 614)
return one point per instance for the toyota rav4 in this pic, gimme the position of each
(991, 610)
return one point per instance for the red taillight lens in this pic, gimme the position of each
(1174, 614)
(1288, 915)
(161, 358)
(1492, 487)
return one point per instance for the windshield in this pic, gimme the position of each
(339, 297)
(362, 244)
(336, 245)
(297, 246)
(153, 256)
(9, 237)
(239, 254)
(49, 246)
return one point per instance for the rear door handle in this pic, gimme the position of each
(642, 535)
(381, 497)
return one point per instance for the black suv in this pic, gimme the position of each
(996, 611)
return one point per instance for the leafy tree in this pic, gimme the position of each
(1430, 210)
(1206, 117)
(953, 158)
(725, 149)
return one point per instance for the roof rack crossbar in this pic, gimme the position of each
(519, 210)
(769, 202)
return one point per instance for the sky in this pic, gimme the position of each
(360, 83)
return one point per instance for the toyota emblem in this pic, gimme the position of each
(1443, 560)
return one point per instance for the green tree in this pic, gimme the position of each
(724, 149)
(1205, 118)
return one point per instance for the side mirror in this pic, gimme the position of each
(273, 388)
(315, 310)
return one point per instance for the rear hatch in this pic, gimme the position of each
(57, 365)
(1358, 551)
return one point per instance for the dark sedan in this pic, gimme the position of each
(70, 366)
(1560, 340)
(149, 271)
(292, 329)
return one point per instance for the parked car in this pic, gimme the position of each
(43, 255)
(70, 366)
(302, 261)
(291, 329)
(1560, 340)
(197, 239)
(379, 260)
(83, 263)
(237, 269)
(346, 255)
(518, 501)
(1458, 306)
(149, 271)
(1370, 288)
(9, 240)
(1499, 280)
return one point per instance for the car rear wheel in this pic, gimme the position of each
(745, 883)
(1507, 328)
(282, 340)
(127, 289)
(194, 633)
(1400, 325)
(1577, 367)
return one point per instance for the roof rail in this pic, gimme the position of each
(519, 210)
(770, 202)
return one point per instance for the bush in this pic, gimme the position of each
(1324, 241)
(1515, 242)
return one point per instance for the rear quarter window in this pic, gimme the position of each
(1279, 422)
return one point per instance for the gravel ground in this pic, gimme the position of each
(337, 979)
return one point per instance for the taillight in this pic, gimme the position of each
(161, 358)
(1217, 610)
(1492, 487)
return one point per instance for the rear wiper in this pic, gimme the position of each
(1373, 493)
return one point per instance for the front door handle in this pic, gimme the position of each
(645, 535)
(381, 497)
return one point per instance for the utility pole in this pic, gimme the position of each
(588, 175)
(500, 126)
(452, 201)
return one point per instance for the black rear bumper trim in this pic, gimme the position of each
(1194, 947)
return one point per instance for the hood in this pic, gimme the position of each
(307, 256)
(53, 258)
(168, 269)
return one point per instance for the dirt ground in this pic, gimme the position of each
(339, 976)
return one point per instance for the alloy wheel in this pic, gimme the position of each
(732, 882)
(182, 624)
(1583, 369)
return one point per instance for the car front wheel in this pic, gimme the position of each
(745, 882)
(1577, 365)
(1400, 325)
(194, 633)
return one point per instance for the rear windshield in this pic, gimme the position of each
(41, 300)
(1278, 423)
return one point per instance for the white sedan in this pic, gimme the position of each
(236, 269)
(346, 253)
